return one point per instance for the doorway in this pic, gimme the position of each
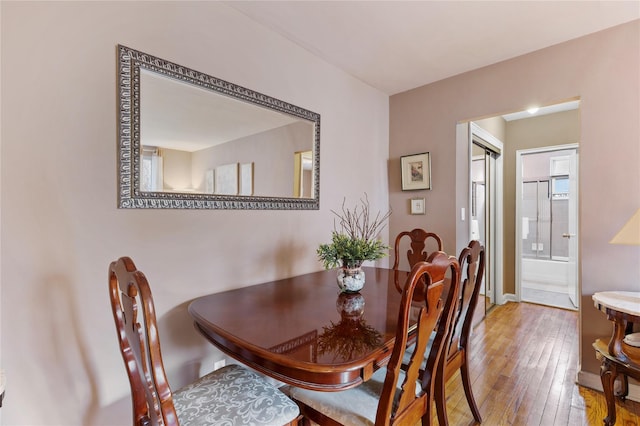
(523, 130)
(481, 216)
(546, 226)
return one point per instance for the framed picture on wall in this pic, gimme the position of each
(226, 179)
(246, 179)
(209, 182)
(417, 206)
(416, 171)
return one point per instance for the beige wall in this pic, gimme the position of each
(60, 224)
(602, 69)
(176, 169)
(495, 125)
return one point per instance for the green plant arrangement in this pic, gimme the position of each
(349, 252)
(355, 237)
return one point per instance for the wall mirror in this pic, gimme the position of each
(190, 140)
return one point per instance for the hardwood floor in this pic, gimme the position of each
(523, 364)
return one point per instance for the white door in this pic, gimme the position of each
(572, 234)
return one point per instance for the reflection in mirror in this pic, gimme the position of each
(303, 176)
(189, 140)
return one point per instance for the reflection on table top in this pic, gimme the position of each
(302, 331)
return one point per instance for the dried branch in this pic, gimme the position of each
(355, 237)
(357, 223)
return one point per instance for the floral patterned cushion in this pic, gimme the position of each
(233, 395)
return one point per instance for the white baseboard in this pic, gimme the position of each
(508, 297)
(593, 381)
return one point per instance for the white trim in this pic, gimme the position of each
(592, 381)
(493, 143)
(509, 297)
(549, 148)
(499, 228)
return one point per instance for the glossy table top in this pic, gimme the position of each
(621, 301)
(302, 331)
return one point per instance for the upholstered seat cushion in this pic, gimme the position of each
(352, 407)
(233, 395)
(411, 348)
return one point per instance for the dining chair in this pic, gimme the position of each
(471, 262)
(419, 239)
(232, 395)
(393, 396)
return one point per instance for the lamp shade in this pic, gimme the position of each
(630, 232)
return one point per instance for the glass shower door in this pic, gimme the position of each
(536, 220)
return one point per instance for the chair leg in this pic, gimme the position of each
(466, 383)
(426, 418)
(440, 399)
(608, 376)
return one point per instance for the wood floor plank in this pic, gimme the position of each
(523, 363)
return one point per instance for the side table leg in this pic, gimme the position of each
(608, 374)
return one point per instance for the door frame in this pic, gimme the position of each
(518, 248)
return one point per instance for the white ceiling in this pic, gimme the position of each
(399, 45)
(538, 111)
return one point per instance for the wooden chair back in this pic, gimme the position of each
(471, 262)
(411, 404)
(135, 318)
(419, 239)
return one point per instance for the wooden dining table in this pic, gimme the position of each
(303, 331)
